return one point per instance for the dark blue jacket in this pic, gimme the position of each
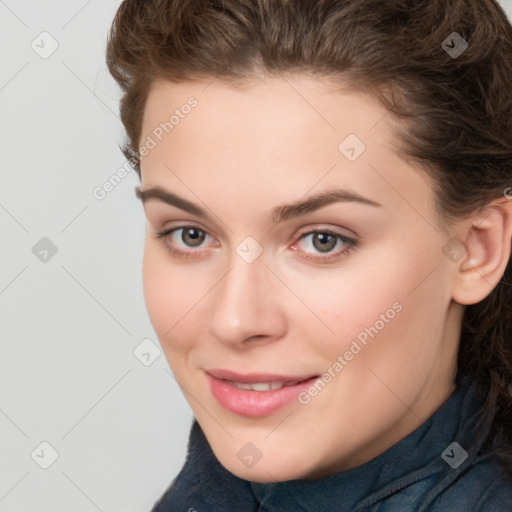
(425, 471)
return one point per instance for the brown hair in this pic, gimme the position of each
(456, 110)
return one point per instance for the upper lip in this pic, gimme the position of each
(251, 378)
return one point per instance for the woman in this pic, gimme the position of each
(327, 261)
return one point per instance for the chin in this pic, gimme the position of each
(266, 473)
(277, 467)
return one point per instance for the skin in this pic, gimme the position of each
(241, 152)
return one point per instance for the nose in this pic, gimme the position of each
(246, 306)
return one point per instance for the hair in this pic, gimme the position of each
(456, 112)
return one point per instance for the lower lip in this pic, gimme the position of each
(255, 404)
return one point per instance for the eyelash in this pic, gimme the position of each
(350, 244)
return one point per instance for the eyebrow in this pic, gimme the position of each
(279, 213)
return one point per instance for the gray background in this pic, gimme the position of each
(71, 321)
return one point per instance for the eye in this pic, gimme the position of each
(191, 236)
(324, 242)
(177, 240)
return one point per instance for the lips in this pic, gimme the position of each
(256, 394)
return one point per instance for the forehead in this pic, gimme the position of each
(287, 116)
(274, 137)
(273, 107)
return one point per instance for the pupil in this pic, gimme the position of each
(194, 236)
(327, 242)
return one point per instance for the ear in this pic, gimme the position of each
(487, 240)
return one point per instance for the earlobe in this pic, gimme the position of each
(487, 241)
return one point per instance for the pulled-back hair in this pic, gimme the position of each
(456, 111)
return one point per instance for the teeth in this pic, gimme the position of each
(242, 386)
(262, 386)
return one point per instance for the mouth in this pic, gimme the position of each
(261, 386)
(256, 394)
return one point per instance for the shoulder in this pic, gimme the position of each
(484, 487)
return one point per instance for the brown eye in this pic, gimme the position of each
(186, 242)
(324, 242)
(192, 237)
(324, 246)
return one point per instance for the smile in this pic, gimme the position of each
(255, 395)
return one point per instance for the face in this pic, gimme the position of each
(294, 273)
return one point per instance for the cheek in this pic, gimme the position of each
(172, 297)
(346, 300)
(382, 357)
(385, 304)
